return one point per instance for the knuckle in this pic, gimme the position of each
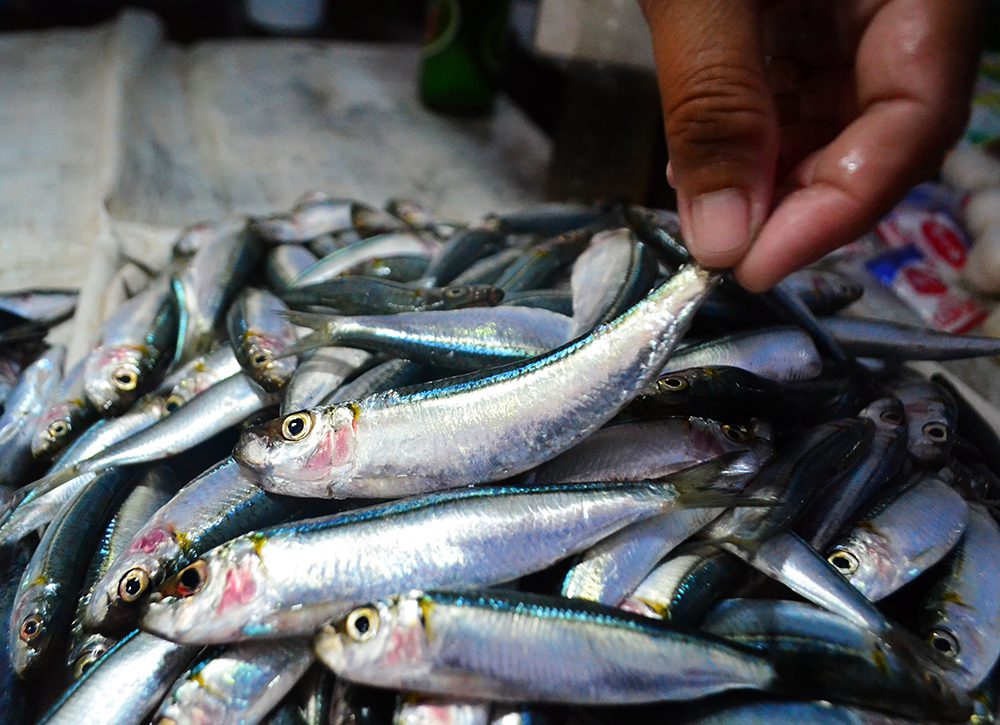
(716, 107)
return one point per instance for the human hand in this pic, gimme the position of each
(792, 126)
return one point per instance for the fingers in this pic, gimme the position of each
(914, 68)
(720, 121)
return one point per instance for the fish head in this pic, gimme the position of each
(261, 355)
(863, 559)
(120, 594)
(113, 376)
(303, 451)
(930, 431)
(54, 431)
(32, 628)
(387, 640)
(455, 297)
(85, 654)
(887, 414)
(213, 598)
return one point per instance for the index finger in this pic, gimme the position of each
(914, 69)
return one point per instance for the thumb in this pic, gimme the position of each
(720, 121)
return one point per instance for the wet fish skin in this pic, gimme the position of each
(554, 301)
(333, 448)
(320, 373)
(819, 654)
(782, 354)
(416, 710)
(466, 339)
(389, 244)
(611, 275)
(65, 417)
(393, 374)
(961, 615)
(285, 263)
(240, 684)
(260, 335)
(550, 219)
(687, 584)
(536, 265)
(464, 248)
(931, 416)
(399, 268)
(153, 489)
(351, 295)
(14, 700)
(569, 652)
(899, 539)
(124, 685)
(24, 409)
(883, 462)
(220, 504)
(896, 341)
(135, 343)
(47, 593)
(488, 269)
(297, 576)
(798, 472)
(311, 217)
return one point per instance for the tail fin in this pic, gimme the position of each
(716, 483)
(45, 484)
(316, 339)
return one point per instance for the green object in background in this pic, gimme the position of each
(462, 53)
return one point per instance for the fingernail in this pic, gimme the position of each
(720, 226)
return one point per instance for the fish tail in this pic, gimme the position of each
(45, 484)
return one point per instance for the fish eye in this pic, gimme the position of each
(843, 561)
(190, 580)
(943, 641)
(296, 426)
(31, 627)
(936, 432)
(261, 359)
(674, 384)
(133, 585)
(58, 428)
(453, 292)
(734, 433)
(892, 416)
(125, 379)
(174, 402)
(361, 624)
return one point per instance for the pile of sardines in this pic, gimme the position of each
(350, 465)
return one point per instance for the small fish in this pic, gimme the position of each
(65, 418)
(467, 339)
(134, 343)
(124, 685)
(337, 451)
(47, 593)
(614, 273)
(960, 617)
(318, 214)
(782, 354)
(24, 409)
(902, 537)
(204, 290)
(687, 584)
(538, 264)
(261, 335)
(154, 488)
(239, 684)
(930, 418)
(552, 300)
(819, 654)
(895, 341)
(400, 268)
(390, 244)
(458, 644)
(220, 504)
(287, 580)
(550, 219)
(368, 296)
(463, 249)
